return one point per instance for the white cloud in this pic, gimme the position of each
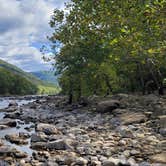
(23, 23)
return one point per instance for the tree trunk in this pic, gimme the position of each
(70, 101)
(141, 78)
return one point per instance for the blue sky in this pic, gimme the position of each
(23, 30)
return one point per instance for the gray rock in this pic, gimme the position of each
(8, 122)
(17, 138)
(107, 106)
(62, 144)
(47, 128)
(80, 161)
(39, 137)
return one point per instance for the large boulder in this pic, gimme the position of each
(107, 105)
(48, 129)
(61, 144)
(132, 117)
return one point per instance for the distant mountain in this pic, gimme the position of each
(11, 72)
(47, 76)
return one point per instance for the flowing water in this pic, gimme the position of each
(21, 126)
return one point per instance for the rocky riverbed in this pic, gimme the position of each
(121, 130)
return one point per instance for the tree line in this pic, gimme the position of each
(108, 46)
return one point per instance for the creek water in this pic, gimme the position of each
(20, 128)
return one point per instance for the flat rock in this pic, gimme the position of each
(159, 158)
(132, 117)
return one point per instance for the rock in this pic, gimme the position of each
(1, 142)
(17, 139)
(95, 163)
(61, 144)
(47, 128)
(38, 145)
(39, 137)
(109, 163)
(8, 122)
(162, 121)
(13, 104)
(8, 151)
(107, 106)
(125, 132)
(132, 162)
(134, 152)
(13, 115)
(159, 158)
(144, 164)
(132, 117)
(2, 127)
(162, 131)
(19, 154)
(80, 161)
(54, 145)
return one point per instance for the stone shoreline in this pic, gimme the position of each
(122, 130)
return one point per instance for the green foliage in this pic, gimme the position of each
(109, 45)
(15, 84)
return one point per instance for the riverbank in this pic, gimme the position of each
(119, 130)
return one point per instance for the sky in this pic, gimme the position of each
(23, 30)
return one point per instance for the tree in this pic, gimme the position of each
(109, 45)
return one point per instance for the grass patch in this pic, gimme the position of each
(48, 89)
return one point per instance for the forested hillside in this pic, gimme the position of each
(110, 46)
(11, 83)
(15, 81)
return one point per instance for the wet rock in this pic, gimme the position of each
(1, 142)
(159, 158)
(107, 106)
(13, 115)
(2, 127)
(47, 129)
(8, 122)
(19, 139)
(8, 151)
(13, 104)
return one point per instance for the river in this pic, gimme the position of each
(21, 125)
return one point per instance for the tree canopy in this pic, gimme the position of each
(106, 46)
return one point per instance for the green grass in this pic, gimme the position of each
(48, 89)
